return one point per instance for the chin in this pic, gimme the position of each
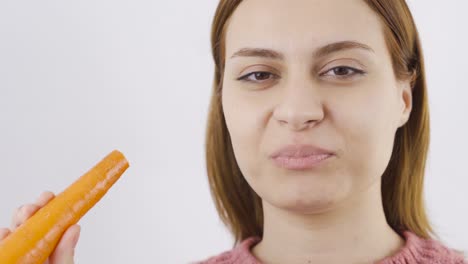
(308, 192)
(313, 202)
(310, 206)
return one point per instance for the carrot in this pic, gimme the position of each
(34, 240)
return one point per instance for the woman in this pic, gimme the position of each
(342, 83)
(317, 135)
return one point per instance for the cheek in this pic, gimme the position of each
(244, 125)
(366, 126)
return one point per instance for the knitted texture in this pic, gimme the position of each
(415, 251)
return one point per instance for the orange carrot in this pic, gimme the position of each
(34, 240)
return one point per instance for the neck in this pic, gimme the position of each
(353, 232)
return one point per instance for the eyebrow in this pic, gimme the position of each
(319, 52)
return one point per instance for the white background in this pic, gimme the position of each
(81, 78)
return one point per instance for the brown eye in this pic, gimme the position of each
(344, 72)
(341, 71)
(256, 76)
(261, 75)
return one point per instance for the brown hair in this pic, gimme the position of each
(240, 208)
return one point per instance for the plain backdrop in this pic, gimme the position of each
(81, 78)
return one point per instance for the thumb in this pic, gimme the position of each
(65, 251)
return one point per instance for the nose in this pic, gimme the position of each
(299, 108)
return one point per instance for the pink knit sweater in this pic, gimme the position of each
(416, 250)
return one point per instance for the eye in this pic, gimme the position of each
(257, 77)
(343, 72)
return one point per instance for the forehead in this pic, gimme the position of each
(297, 26)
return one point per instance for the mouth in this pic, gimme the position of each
(301, 163)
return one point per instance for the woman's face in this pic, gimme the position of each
(309, 97)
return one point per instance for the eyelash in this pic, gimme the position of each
(341, 77)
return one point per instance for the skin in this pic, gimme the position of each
(332, 213)
(65, 249)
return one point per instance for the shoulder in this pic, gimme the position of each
(416, 250)
(239, 254)
(419, 250)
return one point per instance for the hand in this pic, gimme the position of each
(65, 250)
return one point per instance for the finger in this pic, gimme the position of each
(22, 214)
(65, 250)
(4, 232)
(44, 198)
(14, 219)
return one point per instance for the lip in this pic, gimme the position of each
(302, 163)
(300, 157)
(300, 151)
